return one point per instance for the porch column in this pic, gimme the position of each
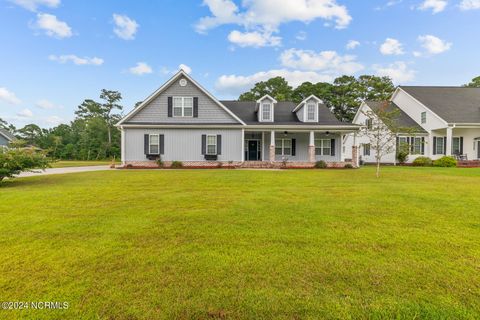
(430, 152)
(243, 145)
(122, 149)
(311, 147)
(272, 146)
(448, 151)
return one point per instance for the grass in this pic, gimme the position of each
(76, 163)
(233, 244)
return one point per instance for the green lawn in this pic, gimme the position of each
(234, 244)
(76, 163)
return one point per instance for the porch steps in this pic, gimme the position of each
(256, 164)
(468, 164)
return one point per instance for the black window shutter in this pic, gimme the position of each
(444, 145)
(170, 107)
(294, 147)
(332, 147)
(461, 145)
(195, 107)
(434, 146)
(204, 143)
(397, 144)
(146, 140)
(219, 144)
(423, 145)
(162, 144)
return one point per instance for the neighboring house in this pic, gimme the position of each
(445, 121)
(181, 121)
(5, 137)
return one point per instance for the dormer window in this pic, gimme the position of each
(311, 112)
(266, 111)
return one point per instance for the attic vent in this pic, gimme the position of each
(183, 82)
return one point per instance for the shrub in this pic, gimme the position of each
(15, 160)
(177, 164)
(160, 163)
(320, 164)
(445, 162)
(402, 156)
(348, 166)
(422, 162)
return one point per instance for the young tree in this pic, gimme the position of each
(17, 159)
(277, 88)
(382, 131)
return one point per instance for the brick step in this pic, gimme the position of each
(256, 164)
(469, 163)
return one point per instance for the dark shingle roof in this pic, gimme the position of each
(283, 114)
(403, 119)
(453, 104)
(7, 134)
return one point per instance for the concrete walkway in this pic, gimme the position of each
(63, 171)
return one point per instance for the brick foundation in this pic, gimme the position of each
(233, 165)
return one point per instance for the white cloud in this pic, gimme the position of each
(76, 60)
(32, 5)
(8, 96)
(125, 28)
(254, 39)
(52, 26)
(45, 104)
(54, 121)
(435, 5)
(301, 36)
(470, 4)
(326, 61)
(25, 113)
(234, 84)
(140, 69)
(185, 68)
(391, 47)
(352, 44)
(397, 71)
(434, 45)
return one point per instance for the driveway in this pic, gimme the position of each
(63, 171)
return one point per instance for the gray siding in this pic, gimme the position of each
(300, 113)
(184, 144)
(302, 141)
(3, 141)
(208, 110)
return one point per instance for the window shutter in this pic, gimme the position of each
(162, 144)
(461, 145)
(204, 143)
(170, 107)
(397, 145)
(294, 147)
(146, 140)
(444, 145)
(219, 144)
(434, 151)
(195, 107)
(332, 147)
(423, 145)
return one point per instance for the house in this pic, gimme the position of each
(444, 121)
(181, 121)
(5, 137)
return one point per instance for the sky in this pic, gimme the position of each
(56, 53)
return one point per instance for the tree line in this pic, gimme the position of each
(92, 135)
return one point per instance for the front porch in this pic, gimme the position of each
(302, 149)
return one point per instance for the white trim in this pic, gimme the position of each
(150, 145)
(282, 146)
(263, 146)
(321, 146)
(6, 137)
(166, 85)
(123, 151)
(206, 144)
(243, 145)
(312, 96)
(262, 104)
(182, 107)
(305, 112)
(265, 97)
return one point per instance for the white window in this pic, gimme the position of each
(368, 124)
(283, 147)
(266, 112)
(366, 149)
(323, 147)
(456, 145)
(211, 144)
(311, 112)
(417, 145)
(154, 144)
(424, 117)
(182, 106)
(439, 148)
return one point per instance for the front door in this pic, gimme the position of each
(252, 150)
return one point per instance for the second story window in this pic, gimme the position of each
(311, 112)
(424, 117)
(266, 112)
(183, 107)
(368, 124)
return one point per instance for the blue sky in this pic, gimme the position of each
(56, 53)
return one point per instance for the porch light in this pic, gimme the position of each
(327, 133)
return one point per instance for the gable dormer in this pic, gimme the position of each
(307, 110)
(265, 109)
